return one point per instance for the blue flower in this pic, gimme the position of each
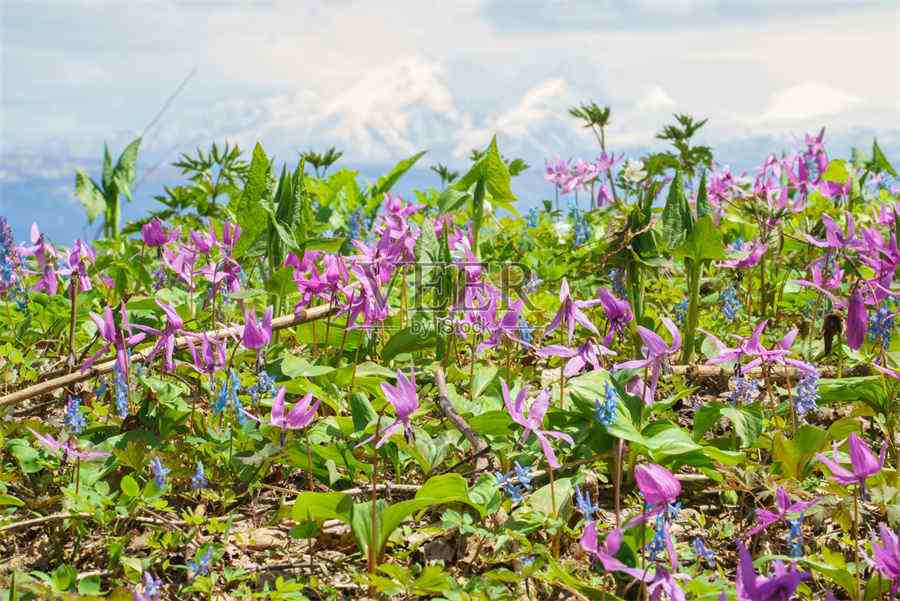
(525, 330)
(74, 420)
(658, 544)
(807, 394)
(730, 303)
(523, 475)
(121, 392)
(151, 588)
(584, 504)
(198, 480)
(703, 553)
(745, 390)
(221, 399)
(617, 277)
(159, 472)
(881, 326)
(681, 310)
(200, 567)
(605, 412)
(795, 537)
(532, 218)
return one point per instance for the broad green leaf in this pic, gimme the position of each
(248, 208)
(129, 486)
(836, 172)
(747, 422)
(321, 506)
(676, 218)
(386, 182)
(407, 340)
(704, 243)
(125, 169)
(491, 170)
(9, 500)
(296, 367)
(879, 162)
(89, 194)
(702, 198)
(542, 499)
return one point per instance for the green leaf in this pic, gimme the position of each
(130, 487)
(321, 506)
(386, 182)
(451, 199)
(298, 367)
(63, 577)
(879, 162)
(124, 171)
(836, 172)
(407, 340)
(705, 418)
(9, 500)
(747, 422)
(704, 243)
(702, 198)
(247, 208)
(491, 170)
(89, 194)
(89, 586)
(676, 215)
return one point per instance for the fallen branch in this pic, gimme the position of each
(443, 401)
(779, 373)
(98, 369)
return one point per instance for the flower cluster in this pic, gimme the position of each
(605, 412)
(729, 303)
(807, 394)
(515, 483)
(881, 326)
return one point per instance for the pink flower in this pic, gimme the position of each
(166, 341)
(79, 256)
(257, 335)
(783, 507)
(69, 448)
(886, 556)
(657, 484)
(656, 353)
(864, 463)
(154, 233)
(570, 312)
(748, 259)
(780, 586)
(618, 313)
(586, 354)
(533, 422)
(300, 416)
(211, 357)
(857, 319)
(605, 553)
(405, 401)
(46, 257)
(106, 327)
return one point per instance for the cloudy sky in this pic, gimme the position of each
(383, 80)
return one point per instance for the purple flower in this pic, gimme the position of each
(149, 590)
(857, 319)
(780, 586)
(783, 507)
(656, 355)
(605, 553)
(863, 461)
(585, 354)
(507, 329)
(570, 312)
(69, 448)
(211, 356)
(300, 416)
(618, 313)
(533, 422)
(657, 484)
(154, 233)
(166, 341)
(748, 258)
(886, 556)
(257, 335)
(834, 238)
(106, 327)
(666, 582)
(46, 257)
(77, 259)
(405, 399)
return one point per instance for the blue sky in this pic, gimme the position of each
(383, 80)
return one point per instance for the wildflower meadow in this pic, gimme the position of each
(654, 378)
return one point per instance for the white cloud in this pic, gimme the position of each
(656, 99)
(808, 101)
